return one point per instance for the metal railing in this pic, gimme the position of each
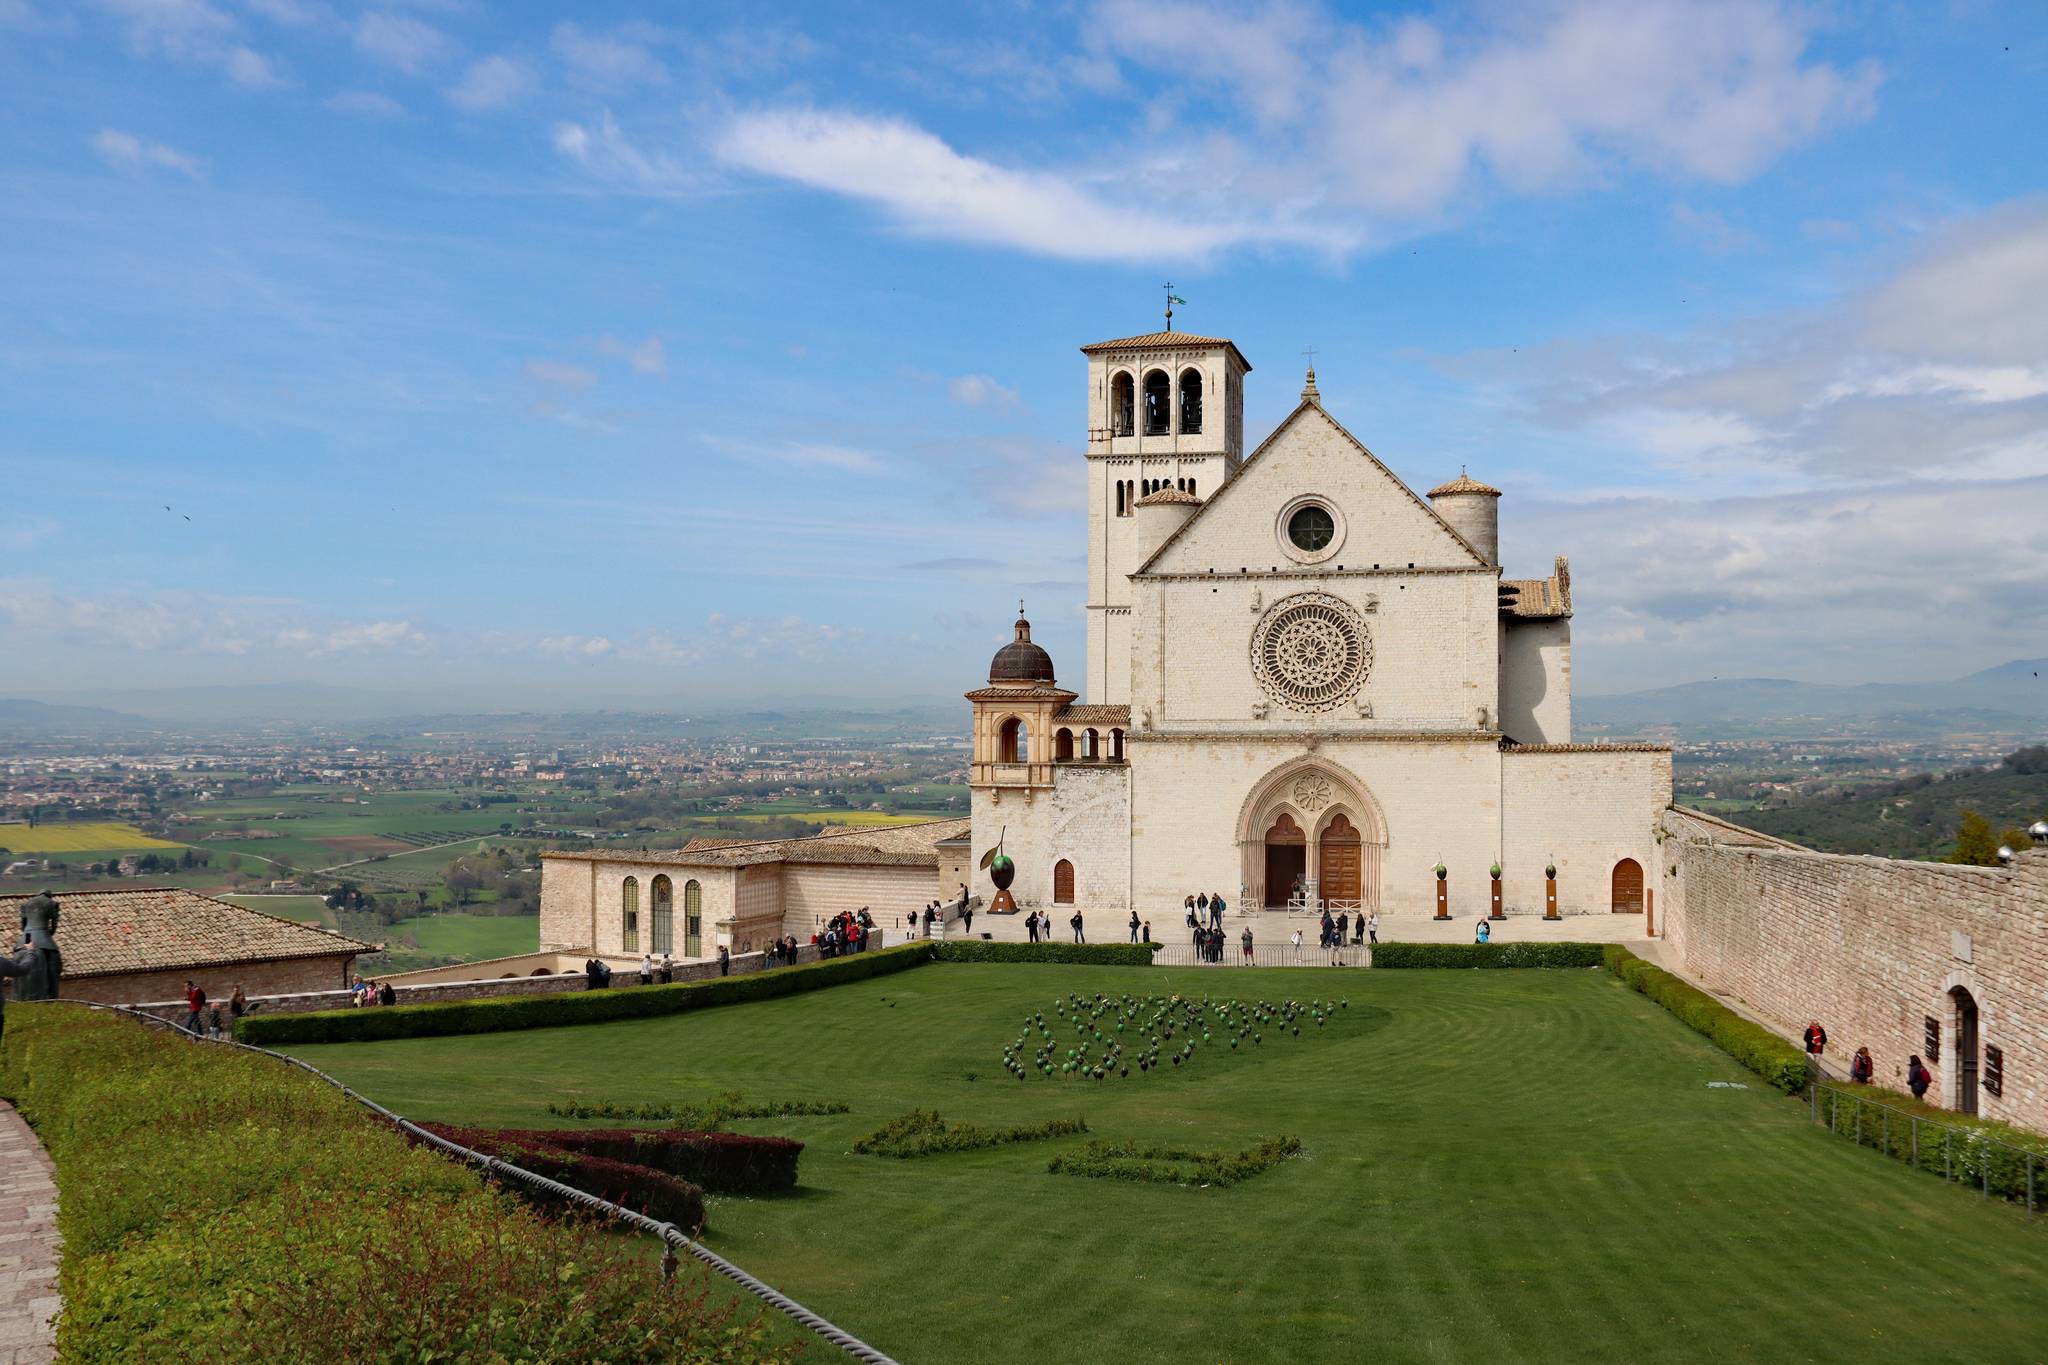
(672, 1237)
(1281, 954)
(1957, 1153)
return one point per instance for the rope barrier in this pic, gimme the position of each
(672, 1237)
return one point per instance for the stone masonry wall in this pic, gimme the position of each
(1085, 819)
(1587, 809)
(813, 893)
(255, 978)
(1872, 947)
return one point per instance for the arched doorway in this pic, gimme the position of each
(1286, 859)
(1628, 888)
(1338, 865)
(1965, 1026)
(1063, 883)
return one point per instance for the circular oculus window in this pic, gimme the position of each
(1311, 652)
(1311, 528)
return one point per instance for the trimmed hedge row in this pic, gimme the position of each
(921, 1132)
(711, 1116)
(1756, 1047)
(576, 1007)
(640, 1187)
(1173, 1165)
(724, 1163)
(215, 1204)
(1080, 954)
(1486, 955)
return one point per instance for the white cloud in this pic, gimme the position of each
(614, 61)
(560, 374)
(930, 189)
(349, 639)
(606, 153)
(806, 454)
(980, 391)
(400, 41)
(645, 357)
(364, 104)
(574, 646)
(127, 152)
(170, 621)
(193, 31)
(492, 83)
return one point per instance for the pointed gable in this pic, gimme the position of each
(1311, 454)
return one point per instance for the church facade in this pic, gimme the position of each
(1305, 684)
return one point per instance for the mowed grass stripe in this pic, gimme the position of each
(1498, 1165)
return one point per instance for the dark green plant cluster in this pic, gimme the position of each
(1073, 954)
(631, 1183)
(217, 1205)
(1756, 1047)
(707, 1117)
(724, 1163)
(1173, 1165)
(1976, 1152)
(1161, 1028)
(573, 1007)
(921, 1132)
(1486, 955)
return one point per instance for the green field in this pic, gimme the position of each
(471, 937)
(1496, 1165)
(82, 836)
(304, 909)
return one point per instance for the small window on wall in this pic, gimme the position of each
(1930, 1040)
(664, 915)
(629, 915)
(1994, 1070)
(693, 919)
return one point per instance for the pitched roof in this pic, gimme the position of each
(159, 929)
(1168, 494)
(1464, 483)
(1168, 341)
(1308, 404)
(1095, 714)
(890, 846)
(1538, 599)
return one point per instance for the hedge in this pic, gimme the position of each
(921, 1132)
(724, 1163)
(638, 1186)
(710, 1116)
(1173, 1165)
(493, 1015)
(1081, 954)
(1854, 1112)
(1486, 955)
(1756, 1047)
(215, 1204)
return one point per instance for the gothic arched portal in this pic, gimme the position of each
(1311, 826)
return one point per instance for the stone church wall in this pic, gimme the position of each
(581, 898)
(1536, 681)
(1587, 808)
(1871, 947)
(813, 893)
(1085, 819)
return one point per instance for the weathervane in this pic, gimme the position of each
(1171, 299)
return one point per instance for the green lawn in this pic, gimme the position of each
(470, 936)
(1497, 1165)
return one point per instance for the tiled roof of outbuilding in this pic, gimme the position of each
(1167, 495)
(1094, 714)
(1464, 483)
(892, 846)
(158, 929)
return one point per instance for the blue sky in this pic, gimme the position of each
(691, 355)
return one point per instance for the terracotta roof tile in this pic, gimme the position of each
(167, 928)
(1464, 483)
(1095, 715)
(1167, 495)
(1168, 341)
(894, 846)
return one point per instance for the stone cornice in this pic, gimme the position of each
(1319, 571)
(1300, 737)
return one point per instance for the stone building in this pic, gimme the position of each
(1305, 683)
(136, 946)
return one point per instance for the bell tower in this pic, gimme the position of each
(1165, 411)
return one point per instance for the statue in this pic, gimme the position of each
(1002, 871)
(37, 965)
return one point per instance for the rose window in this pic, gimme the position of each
(1312, 792)
(1311, 652)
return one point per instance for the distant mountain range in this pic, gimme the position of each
(2011, 697)
(21, 718)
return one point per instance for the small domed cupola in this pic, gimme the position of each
(1020, 661)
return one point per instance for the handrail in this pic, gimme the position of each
(671, 1236)
(1971, 1138)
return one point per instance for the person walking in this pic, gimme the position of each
(1296, 940)
(1372, 928)
(966, 917)
(1148, 931)
(724, 960)
(1917, 1077)
(1216, 913)
(1861, 1066)
(1134, 926)
(1246, 939)
(668, 970)
(1816, 1039)
(647, 969)
(1031, 924)
(1343, 928)
(238, 1003)
(1079, 936)
(195, 1001)
(387, 994)
(1480, 934)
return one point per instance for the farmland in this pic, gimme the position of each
(80, 836)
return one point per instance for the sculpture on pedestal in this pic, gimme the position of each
(1002, 871)
(36, 966)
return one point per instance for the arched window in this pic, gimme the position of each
(1130, 494)
(1190, 401)
(1063, 746)
(1119, 497)
(1157, 393)
(1116, 746)
(1122, 404)
(1091, 745)
(664, 915)
(1192, 489)
(629, 915)
(693, 919)
(1063, 883)
(1014, 745)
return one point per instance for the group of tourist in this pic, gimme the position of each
(783, 950)
(651, 971)
(363, 992)
(847, 932)
(1205, 909)
(204, 1019)
(1038, 927)
(1863, 1067)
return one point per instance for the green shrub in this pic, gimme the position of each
(1486, 955)
(724, 1163)
(216, 1204)
(494, 1015)
(622, 1180)
(1081, 954)
(709, 1117)
(1756, 1047)
(921, 1132)
(1936, 1140)
(1173, 1165)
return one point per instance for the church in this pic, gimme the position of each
(1305, 686)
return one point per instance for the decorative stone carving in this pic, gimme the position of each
(1259, 710)
(1311, 792)
(1258, 600)
(1364, 709)
(1311, 652)
(1371, 603)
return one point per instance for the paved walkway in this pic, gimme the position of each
(1275, 927)
(28, 1245)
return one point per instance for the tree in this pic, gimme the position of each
(2030, 760)
(1976, 846)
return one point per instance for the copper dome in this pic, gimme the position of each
(1020, 660)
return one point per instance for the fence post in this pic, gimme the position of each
(1948, 1153)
